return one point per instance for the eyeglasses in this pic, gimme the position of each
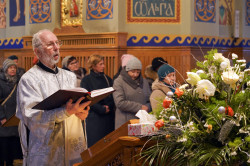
(51, 45)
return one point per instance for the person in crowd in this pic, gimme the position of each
(131, 92)
(151, 70)
(20, 70)
(124, 61)
(157, 62)
(49, 137)
(162, 85)
(71, 63)
(100, 121)
(150, 75)
(10, 147)
(35, 60)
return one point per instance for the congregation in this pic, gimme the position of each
(48, 137)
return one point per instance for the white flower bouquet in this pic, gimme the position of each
(206, 121)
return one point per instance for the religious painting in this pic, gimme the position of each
(204, 11)
(71, 12)
(151, 11)
(17, 12)
(226, 12)
(102, 9)
(248, 12)
(2, 13)
(40, 11)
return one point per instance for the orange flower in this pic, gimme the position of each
(229, 111)
(166, 103)
(210, 127)
(168, 136)
(159, 123)
(179, 92)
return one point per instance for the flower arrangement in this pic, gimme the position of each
(206, 121)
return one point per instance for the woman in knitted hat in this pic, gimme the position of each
(124, 60)
(10, 147)
(162, 85)
(71, 63)
(131, 92)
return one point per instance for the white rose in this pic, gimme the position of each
(193, 78)
(200, 72)
(205, 89)
(218, 57)
(223, 65)
(183, 87)
(230, 77)
(234, 56)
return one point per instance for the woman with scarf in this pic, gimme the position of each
(131, 92)
(100, 121)
(162, 85)
(10, 147)
(70, 63)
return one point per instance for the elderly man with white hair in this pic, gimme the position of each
(49, 137)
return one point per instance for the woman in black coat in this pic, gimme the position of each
(10, 147)
(100, 120)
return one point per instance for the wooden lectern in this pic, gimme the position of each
(117, 148)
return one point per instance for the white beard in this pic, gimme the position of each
(49, 59)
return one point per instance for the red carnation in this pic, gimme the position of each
(179, 92)
(159, 123)
(229, 111)
(166, 103)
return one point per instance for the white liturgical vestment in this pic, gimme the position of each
(54, 138)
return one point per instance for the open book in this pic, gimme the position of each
(62, 96)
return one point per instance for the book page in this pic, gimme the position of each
(99, 92)
(77, 89)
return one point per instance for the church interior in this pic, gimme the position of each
(179, 31)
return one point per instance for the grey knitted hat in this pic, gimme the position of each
(65, 61)
(7, 63)
(133, 63)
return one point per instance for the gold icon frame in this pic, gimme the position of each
(66, 19)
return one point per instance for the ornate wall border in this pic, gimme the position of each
(135, 40)
(184, 40)
(11, 43)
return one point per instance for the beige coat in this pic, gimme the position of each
(159, 92)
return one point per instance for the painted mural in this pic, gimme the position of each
(101, 9)
(2, 13)
(226, 12)
(184, 40)
(17, 12)
(151, 11)
(248, 12)
(40, 11)
(205, 10)
(11, 43)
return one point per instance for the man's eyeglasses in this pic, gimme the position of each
(51, 45)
